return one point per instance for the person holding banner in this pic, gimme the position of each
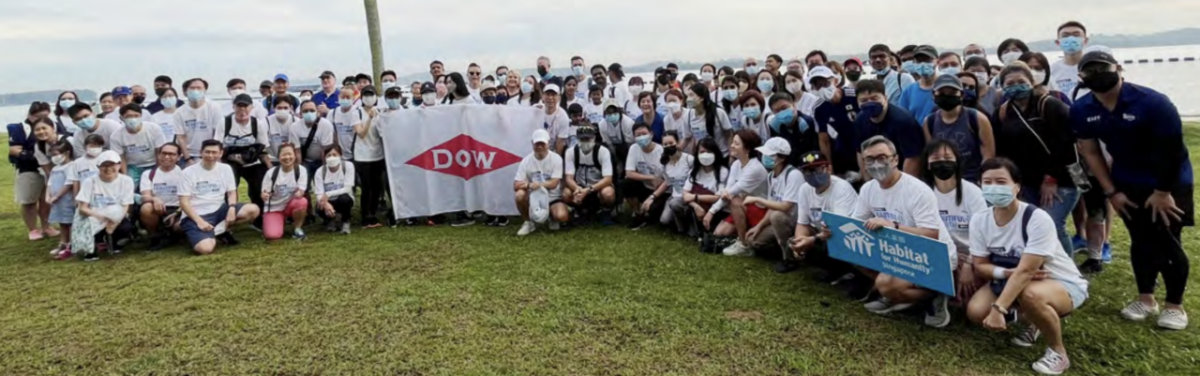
(540, 170)
(894, 199)
(747, 178)
(1015, 245)
(780, 222)
(589, 175)
(822, 192)
(958, 200)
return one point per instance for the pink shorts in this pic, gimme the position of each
(294, 205)
(273, 221)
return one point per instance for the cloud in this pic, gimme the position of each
(79, 43)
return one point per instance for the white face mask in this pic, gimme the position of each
(675, 107)
(58, 159)
(1039, 76)
(795, 87)
(305, 99)
(333, 161)
(370, 101)
(1009, 57)
(429, 99)
(282, 115)
(706, 77)
(94, 152)
(826, 94)
(982, 77)
(635, 89)
(707, 159)
(236, 92)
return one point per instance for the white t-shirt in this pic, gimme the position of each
(82, 169)
(644, 163)
(138, 148)
(593, 112)
(680, 125)
(207, 188)
(298, 134)
(1006, 245)
(749, 180)
(957, 217)
(165, 185)
(284, 187)
(343, 124)
(698, 128)
(98, 194)
(677, 173)
(370, 148)
(909, 202)
(277, 133)
(243, 135)
(558, 124)
(593, 174)
(40, 155)
(166, 123)
(808, 103)
(104, 127)
(785, 187)
(335, 183)
(839, 199)
(533, 170)
(199, 124)
(1066, 78)
(708, 180)
(621, 133)
(758, 126)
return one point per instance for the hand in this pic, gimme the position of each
(874, 224)
(800, 245)
(534, 186)
(1049, 194)
(204, 226)
(753, 233)
(708, 220)
(266, 196)
(1122, 204)
(329, 209)
(724, 195)
(192, 161)
(50, 200)
(646, 204)
(825, 234)
(231, 217)
(1162, 205)
(322, 108)
(372, 112)
(750, 201)
(995, 321)
(1041, 275)
(158, 206)
(967, 282)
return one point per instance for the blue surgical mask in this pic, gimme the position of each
(752, 112)
(526, 87)
(393, 103)
(884, 71)
(168, 102)
(1071, 45)
(131, 124)
(907, 66)
(872, 109)
(729, 95)
(310, 117)
(765, 86)
(768, 162)
(953, 71)
(817, 179)
(787, 116)
(195, 95)
(87, 123)
(345, 103)
(924, 69)
(612, 118)
(1019, 91)
(753, 70)
(643, 140)
(578, 70)
(998, 195)
(66, 103)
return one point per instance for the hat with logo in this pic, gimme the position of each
(243, 100)
(266, 84)
(551, 88)
(108, 156)
(428, 88)
(947, 81)
(813, 159)
(327, 74)
(121, 91)
(281, 77)
(776, 146)
(820, 71)
(1097, 56)
(541, 136)
(586, 132)
(926, 50)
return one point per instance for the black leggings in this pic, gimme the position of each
(371, 175)
(254, 177)
(341, 205)
(1156, 249)
(123, 231)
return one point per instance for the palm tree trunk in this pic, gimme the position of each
(376, 41)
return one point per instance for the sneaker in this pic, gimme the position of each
(554, 225)
(1027, 337)
(606, 217)
(502, 222)
(1173, 318)
(346, 228)
(1052, 363)
(1091, 267)
(1138, 311)
(787, 266)
(63, 255)
(491, 221)
(937, 315)
(299, 234)
(51, 232)
(1106, 253)
(91, 257)
(884, 306)
(227, 239)
(35, 235)
(738, 249)
(463, 221)
(526, 228)
(410, 222)
(1078, 244)
(59, 248)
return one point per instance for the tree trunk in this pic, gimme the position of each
(376, 42)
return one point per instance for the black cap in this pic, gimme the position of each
(586, 131)
(615, 67)
(574, 108)
(266, 84)
(363, 76)
(327, 74)
(812, 159)
(369, 89)
(428, 88)
(349, 80)
(672, 65)
(926, 50)
(1097, 57)
(243, 100)
(661, 71)
(395, 91)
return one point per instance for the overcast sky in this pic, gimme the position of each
(100, 44)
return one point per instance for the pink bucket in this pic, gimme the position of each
(273, 225)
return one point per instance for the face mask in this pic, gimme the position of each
(310, 117)
(768, 162)
(489, 99)
(612, 118)
(795, 87)
(707, 159)
(1102, 82)
(578, 70)
(282, 115)
(872, 109)
(670, 151)
(333, 161)
(139, 99)
(969, 56)
(1071, 45)
(94, 152)
(586, 147)
(1009, 57)
(706, 77)
(305, 98)
(753, 70)
(502, 98)
(981, 78)
(417, 101)
(1039, 76)
(765, 86)
(132, 124)
(826, 94)
(168, 102)
(429, 99)
(924, 69)
(752, 112)
(675, 107)
(392, 103)
(389, 84)
(526, 88)
(884, 71)
(880, 170)
(195, 95)
(58, 159)
(543, 72)
(502, 78)
(370, 101)
(998, 195)
(635, 89)
(66, 103)
(787, 116)
(943, 170)
(643, 140)
(345, 103)
(908, 66)
(969, 98)
(693, 103)
(159, 92)
(729, 94)
(1019, 91)
(236, 92)
(817, 179)
(86, 123)
(947, 102)
(953, 71)
(853, 76)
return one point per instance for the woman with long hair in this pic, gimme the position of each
(706, 119)
(747, 178)
(707, 177)
(65, 100)
(457, 91)
(531, 92)
(958, 200)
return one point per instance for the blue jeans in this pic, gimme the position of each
(1059, 211)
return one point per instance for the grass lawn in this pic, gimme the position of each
(481, 301)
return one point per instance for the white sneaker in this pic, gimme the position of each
(738, 249)
(554, 226)
(1174, 319)
(1138, 311)
(938, 315)
(1027, 337)
(884, 306)
(346, 228)
(1052, 363)
(526, 228)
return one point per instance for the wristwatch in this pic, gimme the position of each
(1000, 309)
(897, 223)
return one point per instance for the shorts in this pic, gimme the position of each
(63, 211)
(1078, 294)
(29, 188)
(754, 215)
(1095, 202)
(295, 204)
(193, 232)
(635, 189)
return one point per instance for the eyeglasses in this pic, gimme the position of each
(880, 158)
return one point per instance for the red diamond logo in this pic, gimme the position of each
(464, 157)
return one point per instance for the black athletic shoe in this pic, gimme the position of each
(501, 221)
(227, 239)
(786, 266)
(91, 257)
(1091, 267)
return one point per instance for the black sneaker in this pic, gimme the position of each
(490, 222)
(91, 257)
(463, 221)
(155, 244)
(786, 266)
(1091, 266)
(227, 239)
(331, 226)
(501, 221)
(638, 223)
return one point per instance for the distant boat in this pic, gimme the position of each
(1173, 60)
(1189, 59)
(1158, 60)
(1143, 61)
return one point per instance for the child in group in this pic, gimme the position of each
(60, 196)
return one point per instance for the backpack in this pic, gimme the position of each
(595, 156)
(17, 136)
(1003, 111)
(248, 153)
(353, 139)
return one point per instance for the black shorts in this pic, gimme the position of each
(1095, 202)
(635, 189)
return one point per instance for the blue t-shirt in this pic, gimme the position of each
(897, 126)
(918, 101)
(1144, 135)
(656, 128)
(330, 100)
(840, 117)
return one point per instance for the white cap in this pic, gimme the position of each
(108, 156)
(541, 136)
(552, 87)
(1097, 47)
(776, 146)
(820, 71)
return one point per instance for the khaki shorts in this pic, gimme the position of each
(30, 188)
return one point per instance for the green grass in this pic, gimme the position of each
(481, 301)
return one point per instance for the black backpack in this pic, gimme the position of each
(250, 153)
(274, 177)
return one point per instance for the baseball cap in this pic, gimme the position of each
(327, 74)
(926, 50)
(108, 156)
(854, 60)
(541, 136)
(1096, 56)
(947, 81)
(121, 90)
(487, 85)
(363, 76)
(615, 67)
(394, 91)
(281, 76)
(610, 103)
(584, 132)
(812, 159)
(428, 88)
(243, 100)
(266, 84)
(369, 89)
(820, 71)
(551, 88)
(775, 146)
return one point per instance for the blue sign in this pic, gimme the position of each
(914, 258)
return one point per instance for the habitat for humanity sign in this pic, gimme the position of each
(914, 258)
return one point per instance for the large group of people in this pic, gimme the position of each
(988, 160)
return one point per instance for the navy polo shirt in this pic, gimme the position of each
(897, 126)
(330, 100)
(1144, 135)
(656, 128)
(800, 142)
(840, 117)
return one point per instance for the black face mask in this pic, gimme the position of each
(664, 80)
(158, 92)
(501, 98)
(489, 99)
(947, 102)
(1101, 82)
(670, 150)
(139, 99)
(417, 101)
(542, 71)
(853, 75)
(943, 170)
